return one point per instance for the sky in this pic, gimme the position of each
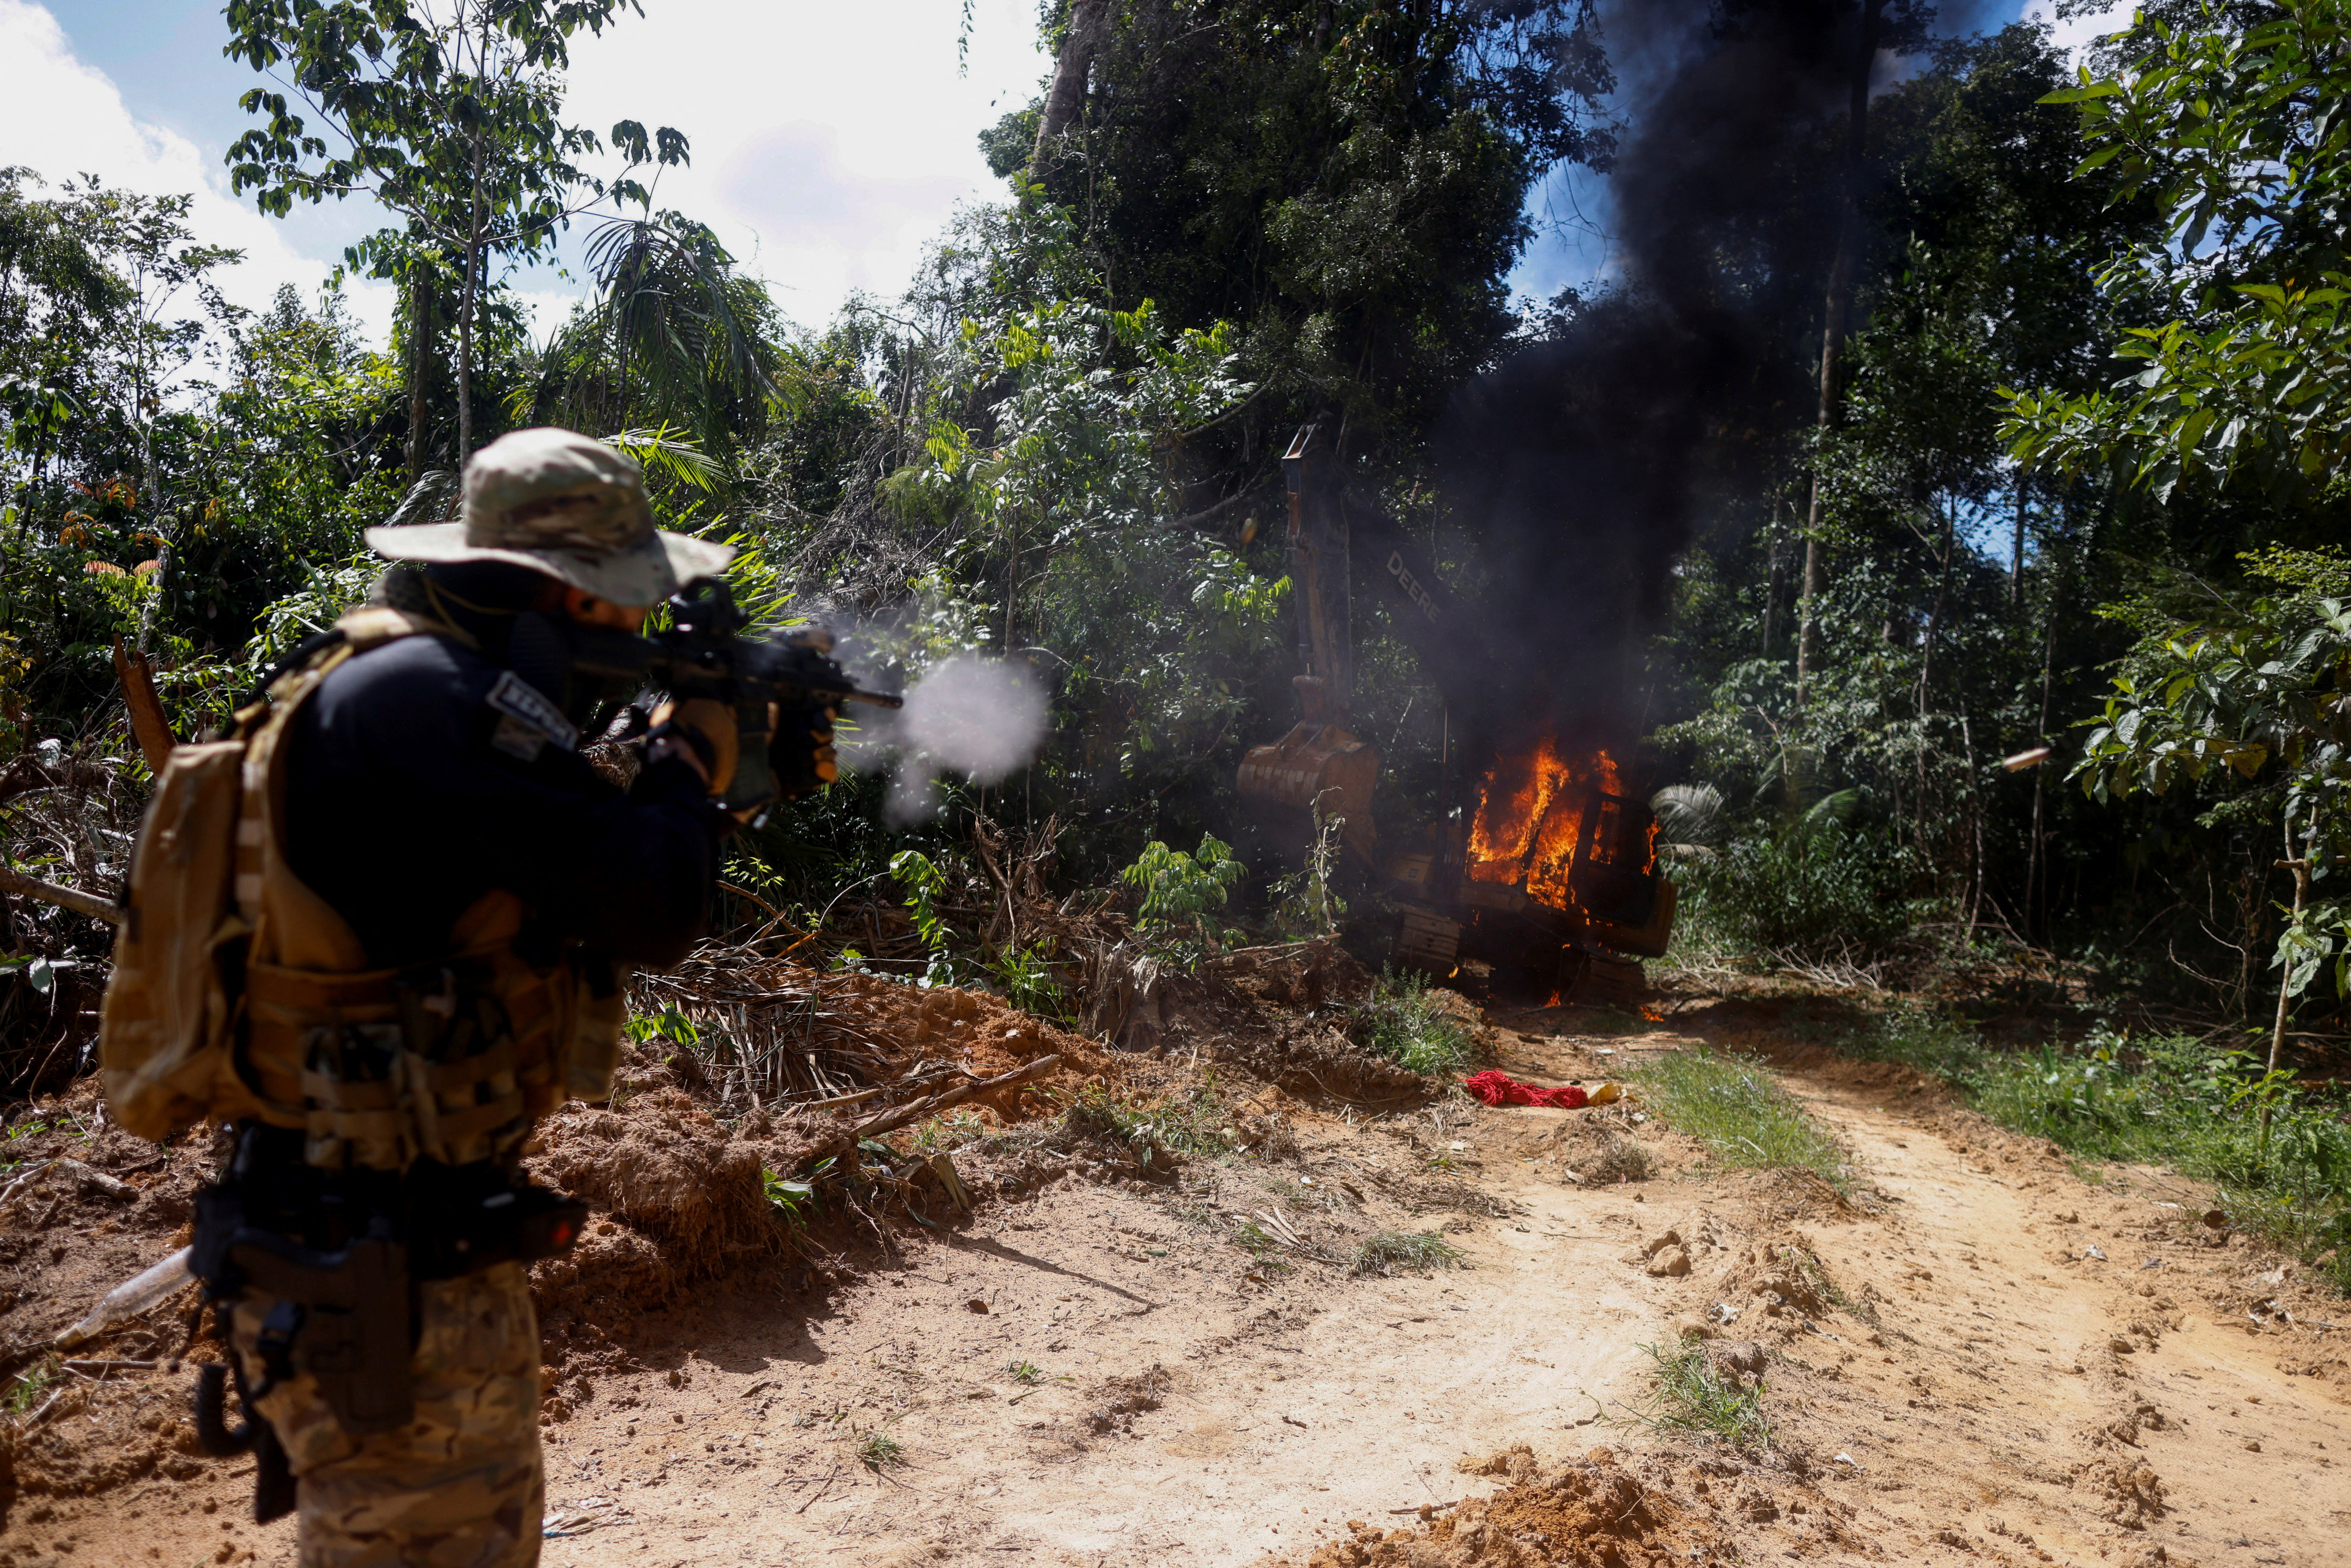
(824, 161)
(830, 141)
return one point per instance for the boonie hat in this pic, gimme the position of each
(566, 505)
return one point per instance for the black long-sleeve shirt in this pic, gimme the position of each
(400, 812)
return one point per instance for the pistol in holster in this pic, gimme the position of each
(343, 1317)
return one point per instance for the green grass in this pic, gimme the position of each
(1746, 1121)
(2164, 1100)
(1404, 1023)
(26, 1390)
(1695, 1400)
(1191, 1124)
(1385, 1251)
(1024, 1371)
(879, 1451)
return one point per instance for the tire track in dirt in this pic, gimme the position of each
(2029, 1389)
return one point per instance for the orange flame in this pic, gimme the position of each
(1529, 820)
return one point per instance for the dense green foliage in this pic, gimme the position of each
(2093, 362)
(1179, 897)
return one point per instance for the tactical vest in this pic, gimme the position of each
(238, 993)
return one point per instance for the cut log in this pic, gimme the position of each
(905, 1116)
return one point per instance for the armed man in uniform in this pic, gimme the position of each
(436, 902)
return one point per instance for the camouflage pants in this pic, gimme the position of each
(460, 1485)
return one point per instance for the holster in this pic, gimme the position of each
(348, 1326)
(353, 1334)
(346, 1312)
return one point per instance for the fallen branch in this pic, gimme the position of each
(891, 1120)
(746, 894)
(63, 897)
(97, 1181)
(861, 1095)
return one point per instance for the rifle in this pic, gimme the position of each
(702, 652)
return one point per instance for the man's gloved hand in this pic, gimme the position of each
(703, 731)
(801, 755)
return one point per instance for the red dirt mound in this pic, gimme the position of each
(1587, 1513)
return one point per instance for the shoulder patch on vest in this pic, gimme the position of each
(528, 720)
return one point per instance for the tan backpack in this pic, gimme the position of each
(164, 1031)
(218, 926)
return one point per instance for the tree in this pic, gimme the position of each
(146, 242)
(55, 291)
(389, 81)
(676, 338)
(1977, 262)
(2255, 690)
(1871, 35)
(2235, 132)
(1347, 182)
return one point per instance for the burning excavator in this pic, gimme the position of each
(1542, 864)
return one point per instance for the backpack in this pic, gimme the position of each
(207, 881)
(164, 1028)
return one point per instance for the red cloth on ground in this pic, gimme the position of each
(1496, 1087)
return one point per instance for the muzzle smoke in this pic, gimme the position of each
(983, 719)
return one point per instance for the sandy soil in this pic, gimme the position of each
(1951, 1372)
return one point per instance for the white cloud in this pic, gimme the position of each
(831, 143)
(63, 118)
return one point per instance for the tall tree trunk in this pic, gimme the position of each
(2300, 865)
(1975, 825)
(148, 398)
(420, 361)
(1935, 616)
(1833, 326)
(1925, 700)
(2036, 867)
(1089, 19)
(2016, 550)
(155, 590)
(466, 313)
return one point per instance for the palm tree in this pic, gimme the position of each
(675, 341)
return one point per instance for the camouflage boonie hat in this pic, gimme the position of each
(566, 505)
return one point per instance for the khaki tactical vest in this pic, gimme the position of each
(237, 992)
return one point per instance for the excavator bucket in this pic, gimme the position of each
(1317, 768)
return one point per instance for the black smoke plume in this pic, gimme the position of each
(1583, 465)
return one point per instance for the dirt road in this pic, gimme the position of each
(1101, 1376)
